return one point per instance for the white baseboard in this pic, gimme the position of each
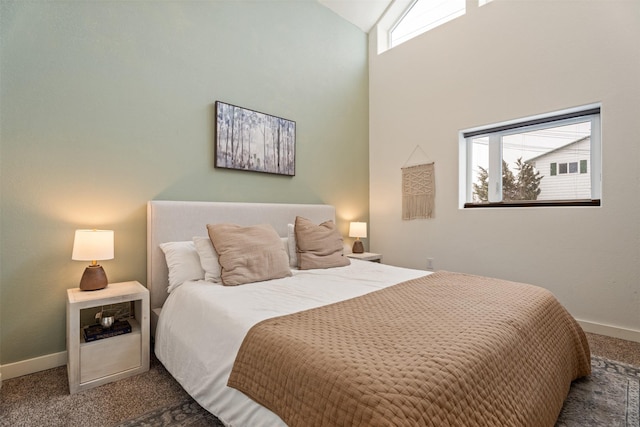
(610, 331)
(54, 360)
(29, 366)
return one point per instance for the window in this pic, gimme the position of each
(423, 15)
(583, 166)
(563, 168)
(546, 160)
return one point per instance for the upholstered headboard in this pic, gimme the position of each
(169, 221)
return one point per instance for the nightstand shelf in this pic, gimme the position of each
(367, 256)
(94, 363)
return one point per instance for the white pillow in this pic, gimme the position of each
(285, 244)
(291, 240)
(183, 263)
(208, 258)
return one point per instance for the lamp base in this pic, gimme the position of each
(93, 278)
(358, 248)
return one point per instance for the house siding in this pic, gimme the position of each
(563, 186)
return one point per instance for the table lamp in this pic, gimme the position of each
(358, 230)
(93, 245)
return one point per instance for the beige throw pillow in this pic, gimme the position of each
(248, 254)
(318, 246)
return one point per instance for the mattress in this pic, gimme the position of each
(203, 324)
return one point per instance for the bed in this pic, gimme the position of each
(359, 343)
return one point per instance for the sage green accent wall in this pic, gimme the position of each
(105, 105)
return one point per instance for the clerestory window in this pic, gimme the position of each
(423, 15)
(546, 160)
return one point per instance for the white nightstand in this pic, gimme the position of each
(367, 256)
(91, 364)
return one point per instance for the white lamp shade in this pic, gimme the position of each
(358, 229)
(92, 245)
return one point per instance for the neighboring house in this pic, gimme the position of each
(566, 171)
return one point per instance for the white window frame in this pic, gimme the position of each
(425, 26)
(495, 132)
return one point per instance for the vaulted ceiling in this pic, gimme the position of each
(362, 13)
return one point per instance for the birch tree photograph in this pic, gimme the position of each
(254, 141)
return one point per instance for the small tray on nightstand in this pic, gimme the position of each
(366, 256)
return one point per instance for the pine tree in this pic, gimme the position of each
(509, 184)
(528, 181)
(481, 191)
(524, 186)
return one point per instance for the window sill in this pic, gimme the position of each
(535, 203)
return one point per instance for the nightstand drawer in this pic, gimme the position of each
(109, 356)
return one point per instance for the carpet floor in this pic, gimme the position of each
(609, 397)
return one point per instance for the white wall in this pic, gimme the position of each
(502, 61)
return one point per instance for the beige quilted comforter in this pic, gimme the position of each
(446, 349)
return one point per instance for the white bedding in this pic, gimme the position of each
(202, 325)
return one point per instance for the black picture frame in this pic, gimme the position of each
(253, 141)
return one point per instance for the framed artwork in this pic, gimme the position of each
(253, 141)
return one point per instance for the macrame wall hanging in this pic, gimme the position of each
(418, 189)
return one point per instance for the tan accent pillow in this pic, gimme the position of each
(318, 246)
(248, 254)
